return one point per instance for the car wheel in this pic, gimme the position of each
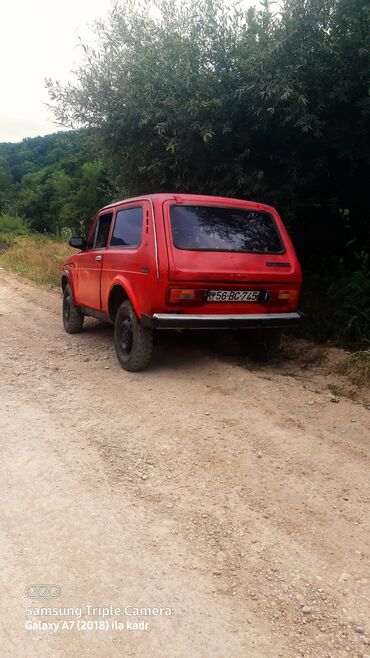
(133, 341)
(260, 345)
(73, 319)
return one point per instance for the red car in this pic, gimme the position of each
(183, 261)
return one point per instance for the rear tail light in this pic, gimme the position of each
(185, 296)
(288, 296)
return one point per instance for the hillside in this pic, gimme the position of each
(54, 181)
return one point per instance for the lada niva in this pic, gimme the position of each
(183, 261)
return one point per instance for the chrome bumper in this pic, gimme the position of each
(245, 321)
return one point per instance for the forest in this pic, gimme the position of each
(53, 181)
(270, 103)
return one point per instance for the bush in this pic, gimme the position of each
(336, 300)
(13, 225)
(353, 296)
(357, 367)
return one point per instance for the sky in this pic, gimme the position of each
(38, 40)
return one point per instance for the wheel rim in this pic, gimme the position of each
(67, 308)
(125, 336)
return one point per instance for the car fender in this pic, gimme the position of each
(124, 283)
(66, 276)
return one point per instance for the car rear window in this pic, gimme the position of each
(215, 228)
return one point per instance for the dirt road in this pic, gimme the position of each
(235, 496)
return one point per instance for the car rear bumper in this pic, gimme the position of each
(245, 321)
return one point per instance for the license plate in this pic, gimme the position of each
(235, 295)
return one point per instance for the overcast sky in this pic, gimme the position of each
(38, 39)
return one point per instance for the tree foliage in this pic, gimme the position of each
(270, 103)
(210, 97)
(54, 181)
(206, 96)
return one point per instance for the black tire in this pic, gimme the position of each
(73, 319)
(133, 341)
(260, 345)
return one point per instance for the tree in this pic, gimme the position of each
(55, 181)
(208, 97)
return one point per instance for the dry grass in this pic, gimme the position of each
(36, 257)
(357, 367)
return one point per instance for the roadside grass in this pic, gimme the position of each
(357, 367)
(36, 257)
(12, 225)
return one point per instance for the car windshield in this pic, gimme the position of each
(215, 228)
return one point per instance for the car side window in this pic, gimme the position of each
(100, 234)
(128, 228)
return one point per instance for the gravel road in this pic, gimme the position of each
(233, 497)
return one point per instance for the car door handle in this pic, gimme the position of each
(98, 257)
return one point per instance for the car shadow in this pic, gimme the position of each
(92, 326)
(173, 349)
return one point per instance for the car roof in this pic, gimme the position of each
(178, 196)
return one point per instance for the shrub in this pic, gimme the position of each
(336, 300)
(357, 367)
(13, 225)
(353, 311)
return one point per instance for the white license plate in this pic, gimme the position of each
(233, 295)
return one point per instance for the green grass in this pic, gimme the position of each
(34, 256)
(12, 225)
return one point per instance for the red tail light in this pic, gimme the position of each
(185, 296)
(289, 297)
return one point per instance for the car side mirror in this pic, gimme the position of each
(78, 243)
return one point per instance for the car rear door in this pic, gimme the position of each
(90, 263)
(190, 262)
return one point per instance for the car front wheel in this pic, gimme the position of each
(73, 319)
(133, 341)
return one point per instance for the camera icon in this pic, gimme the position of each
(43, 591)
